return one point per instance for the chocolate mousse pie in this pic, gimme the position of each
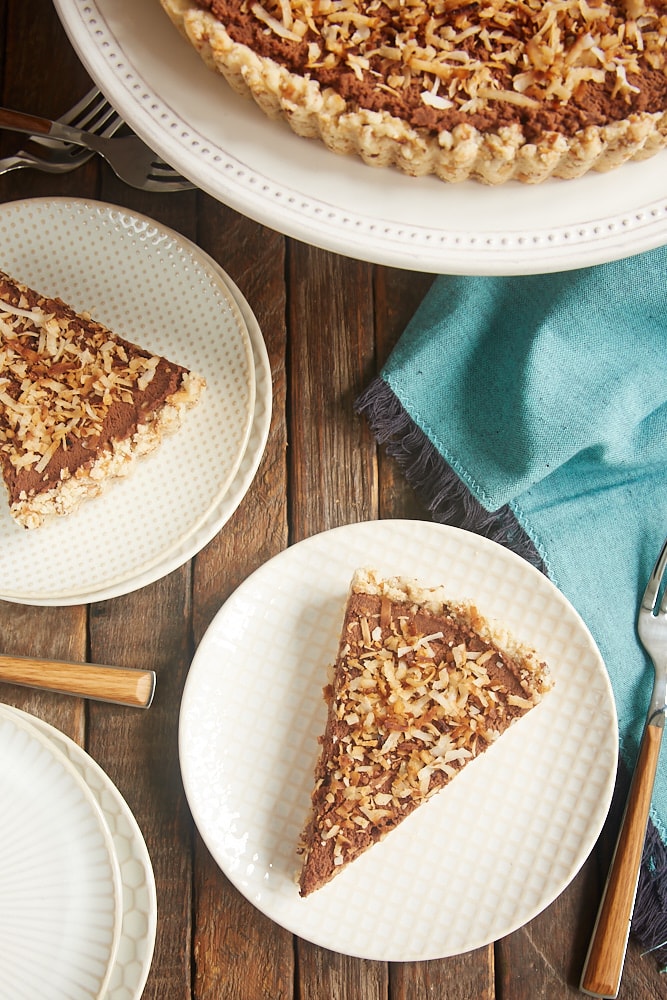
(421, 686)
(491, 90)
(78, 404)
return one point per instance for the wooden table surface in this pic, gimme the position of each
(328, 322)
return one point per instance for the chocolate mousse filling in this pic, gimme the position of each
(548, 68)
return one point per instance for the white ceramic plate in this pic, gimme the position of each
(238, 487)
(139, 915)
(154, 286)
(471, 865)
(60, 902)
(259, 167)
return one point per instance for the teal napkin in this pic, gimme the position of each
(540, 404)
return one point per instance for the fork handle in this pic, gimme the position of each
(120, 685)
(606, 953)
(17, 121)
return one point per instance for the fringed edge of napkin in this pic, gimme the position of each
(449, 501)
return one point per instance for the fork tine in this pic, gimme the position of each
(167, 186)
(93, 112)
(78, 111)
(99, 115)
(162, 171)
(162, 167)
(650, 597)
(163, 177)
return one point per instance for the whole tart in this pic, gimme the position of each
(421, 686)
(78, 403)
(491, 90)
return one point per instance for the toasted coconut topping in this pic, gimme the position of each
(409, 707)
(54, 386)
(465, 55)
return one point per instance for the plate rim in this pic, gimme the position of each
(472, 538)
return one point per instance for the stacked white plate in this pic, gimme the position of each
(77, 894)
(156, 288)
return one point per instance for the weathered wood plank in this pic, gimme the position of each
(461, 977)
(254, 259)
(51, 633)
(239, 953)
(331, 345)
(325, 974)
(138, 749)
(333, 479)
(47, 55)
(397, 295)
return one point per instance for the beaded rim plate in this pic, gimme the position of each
(493, 848)
(260, 168)
(113, 262)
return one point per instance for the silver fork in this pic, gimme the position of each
(606, 954)
(94, 113)
(132, 160)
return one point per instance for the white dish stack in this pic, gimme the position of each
(78, 907)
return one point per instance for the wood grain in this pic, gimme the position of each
(86, 680)
(331, 340)
(329, 324)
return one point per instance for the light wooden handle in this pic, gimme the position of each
(606, 953)
(120, 685)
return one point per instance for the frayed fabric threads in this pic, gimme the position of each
(439, 488)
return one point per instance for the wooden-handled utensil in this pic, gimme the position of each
(603, 967)
(120, 685)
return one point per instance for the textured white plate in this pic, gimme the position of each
(259, 167)
(148, 283)
(60, 890)
(471, 865)
(238, 487)
(139, 917)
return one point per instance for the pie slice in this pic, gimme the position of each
(421, 686)
(78, 404)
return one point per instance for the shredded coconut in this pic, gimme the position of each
(462, 54)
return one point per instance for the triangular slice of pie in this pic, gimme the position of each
(78, 404)
(420, 687)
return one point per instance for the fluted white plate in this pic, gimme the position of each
(227, 146)
(222, 512)
(60, 889)
(139, 916)
(475, 862)
(156, 288)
